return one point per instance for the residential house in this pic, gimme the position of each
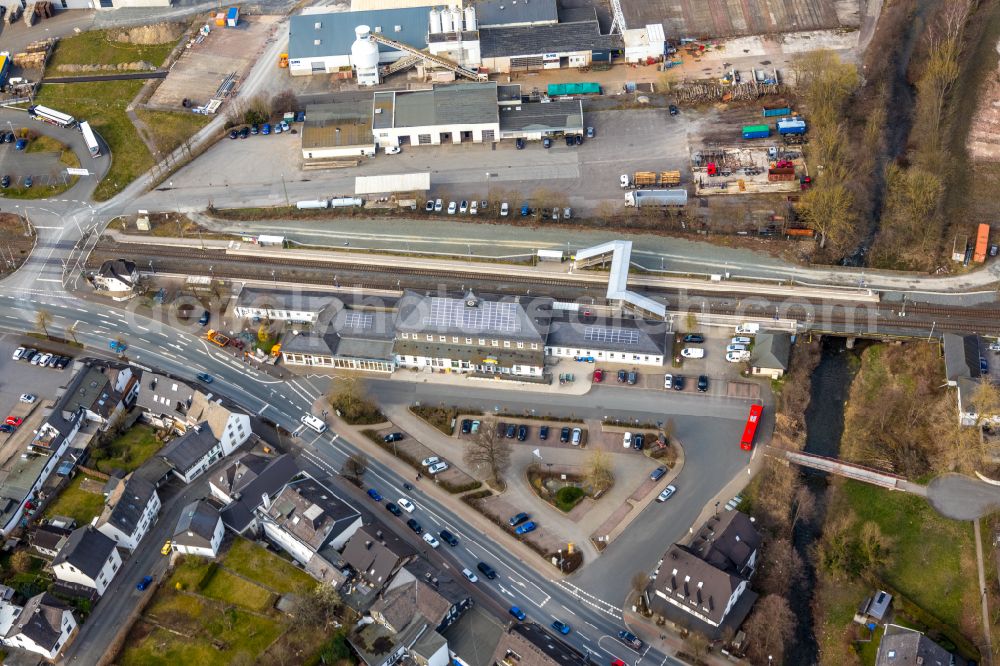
(244, 484)
(902, 646)
(311, 523)
(199, 530)
(119, 276)
(770, 355)
(705, 585)
(130, 509)
(47, 540)
(45, 625)
(103, 391)
(295, 307)
(963, 370)
(216, 432)
(164, 401)
(89, 559)
(529, 644)
(375, 555)
(874, 609)
(627, 341)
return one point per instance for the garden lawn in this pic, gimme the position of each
(231, 589)
(170, 129)
(130, 449)
(78, 504)
(933, 561)
(103, 103)
(94, 48)
(257, 564)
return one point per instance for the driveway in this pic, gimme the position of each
(960, 497)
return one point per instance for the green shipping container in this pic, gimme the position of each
(556, 89)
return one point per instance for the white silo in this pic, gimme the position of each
(435, 19)
(364, 57)
(456, 18)
(447, 20)
(470, 18)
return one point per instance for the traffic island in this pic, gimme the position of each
(570, 489)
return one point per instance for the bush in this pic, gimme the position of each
(359, 411)
(207, 577)
(472, 498)
(568, 497)
(439, 417)
(455, 488)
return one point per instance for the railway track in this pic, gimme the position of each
(813, 312)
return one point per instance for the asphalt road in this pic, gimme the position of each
(126, 76)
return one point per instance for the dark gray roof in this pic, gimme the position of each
(48, 537)
(304, 301)
(509, 92)
(87, 550)
(168, 397)
(336, 31)
(128, 508)
(474, 354)
(375, 554)
(556, 116)
(515, 12)
(577, 14)
(442, 581)
(240, 472)
(350, 334)
(727, 542)
(544, 648)
(617, 336)
(120, 269)
(691, 581)
(183, 452)
(41, 620)
(901, 646)
(311, 512)
(197, 524)
(490, 317)
(771, 350)
(961, 356)
(279, 471)
(542, 39)
(455, 104)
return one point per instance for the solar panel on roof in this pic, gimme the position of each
(358, 320)
(485, 316)
(625, 336)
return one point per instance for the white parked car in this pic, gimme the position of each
(452, 208)
(567, 213)
(474, 208)
(737, 357)
(464, 208)
(437, 468)
(736, 348)
(504, 209)
(393, 150)
(668, 381)
(406, 505)
(473, 578)
(17, 354)
(667, 493)
(693, 352)
(27, 398)
(429, 538)
(41, 360)
(995, 346)
(627, 440)
(740, 340)
(438, 205)
(427, 462)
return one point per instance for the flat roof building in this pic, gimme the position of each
(338, 129)
(354, 339)
(535, 120)
(572, 44)
(442, 114)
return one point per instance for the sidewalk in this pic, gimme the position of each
(665, 639)
(582, 373)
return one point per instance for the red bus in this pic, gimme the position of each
(751, 428)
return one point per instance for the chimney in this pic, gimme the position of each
(379, 534)
(368, 545)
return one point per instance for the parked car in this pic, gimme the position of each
(41, 359)
(244, 133)
(205, 317)
(590, 133)
(638, 441)
(632, 377)
(543, 433)
(63, 362)
(567, 213)
(284, 126)
(561, 627)
(579, 139)
(702, 383)
(429, 538)
(487, 570)
(627, 440)
(475, 427)
(374, 494)
(577, 436)
(452, 207)
(668, 381)
(693, 352)
(667, 493)
(429, 206)
(511, 431)
(392, 437)
(265, 129)
(673, 110)
(630, 639)
(14, 421)
(564, 435)
(405, 504)
(474, 208)
(466, 426)
(463, 207)
(555, 214)
(740, 340)
(144, 583)
(5, 181)
(622, 376)
(29, 181)
(437, 468)
(21, 144)
(234, 134)
(471, 577)
(546, 143)
(519, 518)
(569, 140)
(657, 473)
(448, 538)
(27, 398)
(522, 432)
(525, 210)
(696, 338)
(520, 143)
(736, 348)
(438, 205)
(517, 613)
(504, 209)
(7, 428)
(393, 509)
(679, 383)
(165, 550)
(527, 527)
(737, 357)
(277, 128)
(415, 526)
(598, 376)
(18, 353)
(255, 129)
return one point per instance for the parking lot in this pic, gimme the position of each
(44, 168)
(20, 377)
(625, 142)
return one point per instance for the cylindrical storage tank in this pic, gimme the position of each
(364, 52)
(456, 19)
(470, 18)
(435, 19)
(447, 21)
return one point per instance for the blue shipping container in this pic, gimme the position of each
(791, 126)
(757, 134)
(780, 111)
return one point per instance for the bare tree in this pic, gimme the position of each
(782, 568)
(873, 546)
(598, 471)
(42, 320)
(829, 209)
(319, 606)
(355, 466)
(20, 561)
(805, 505)
(640, 581)
(767, 627)
(986, 401)
(489, 448)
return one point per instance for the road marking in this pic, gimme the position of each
(504, 590)
(47, 280)
(262, 409)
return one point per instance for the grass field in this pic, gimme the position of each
(131, 449)
(76, 503)
(46, 144)
(103, 103)
(94, 48)
(231, 589)
(250, 560)
(172, 128)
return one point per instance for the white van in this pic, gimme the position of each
(313, 422)
(748, 329)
